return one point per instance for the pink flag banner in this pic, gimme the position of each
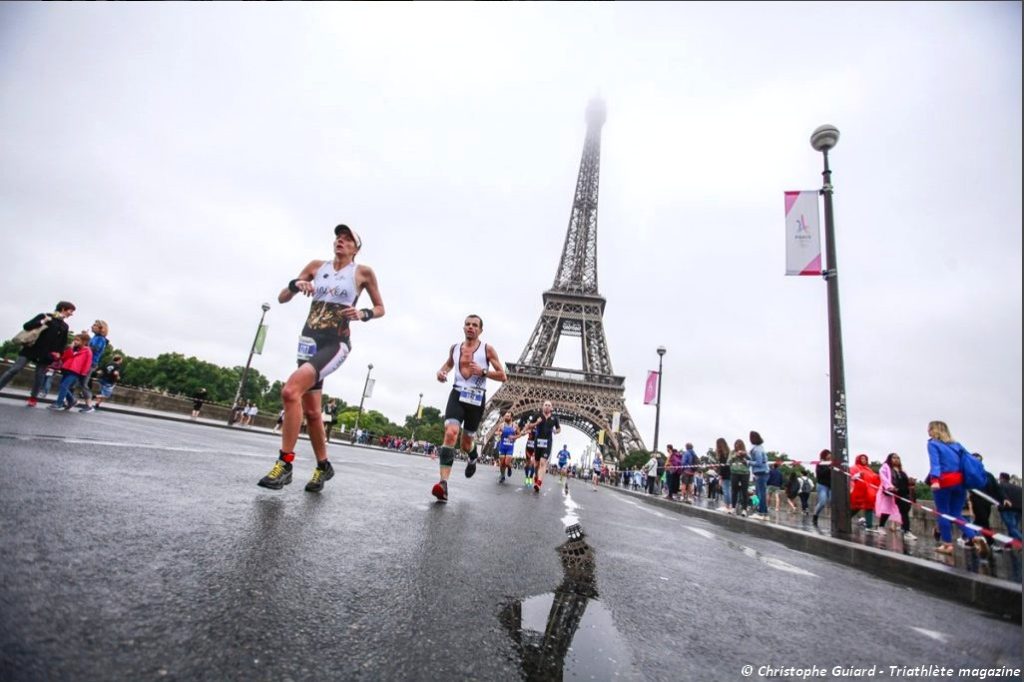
(651, 389)
(803, 234)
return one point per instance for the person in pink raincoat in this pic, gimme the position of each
(885, 503)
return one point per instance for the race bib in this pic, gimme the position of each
(307, 348)
(471, 396)
(507, 441)
(542, 442)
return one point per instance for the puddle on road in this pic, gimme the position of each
(568, 633)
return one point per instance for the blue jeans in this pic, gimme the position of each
(1011, 519)
(65, 395)
(761, 488)
(951, 501)
(726, 486)
(824, 497)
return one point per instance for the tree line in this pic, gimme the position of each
(175, 374)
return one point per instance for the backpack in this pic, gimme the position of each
(807, 486)
(972, 470)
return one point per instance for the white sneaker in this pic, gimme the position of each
(907, 535)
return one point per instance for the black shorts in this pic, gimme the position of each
(329, 354)
(464, 413)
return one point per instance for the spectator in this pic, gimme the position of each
(823, 476)
(675, 472)
(689, 471)
(280, 421)
(197, 403)
(759, 468)
(885, 503)
(792, 490)
(774, 484)
(98, 345)
(108, 378)
(864, 483)
(739, 473)
(331, 417)
(724, 471)
(980, 506)
(806, 488)
(947, 485)
(75, 363)
(650, 470)
(47, 347)
(1010, 509)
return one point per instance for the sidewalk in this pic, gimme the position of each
(986, 583)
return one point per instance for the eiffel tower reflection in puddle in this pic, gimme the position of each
(568, 633)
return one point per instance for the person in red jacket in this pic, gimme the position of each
(864, 484)
(76, 363)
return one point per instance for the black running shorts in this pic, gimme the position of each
(467, 415)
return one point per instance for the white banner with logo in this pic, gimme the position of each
(803, 234)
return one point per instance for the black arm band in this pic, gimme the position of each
(293, 287)
(366, 314)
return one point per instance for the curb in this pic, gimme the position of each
(999, 597)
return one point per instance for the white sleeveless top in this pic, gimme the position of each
(333, 291)
(480, 358)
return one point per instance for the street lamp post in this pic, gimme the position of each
(657, 409)
(823, 139)
(355, 429)
(245, 372)
(416, 422)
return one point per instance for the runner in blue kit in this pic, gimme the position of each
(544, 429)
(595, 474)
(506, 444)
(335, 286)
(474, 363)
(563, 463)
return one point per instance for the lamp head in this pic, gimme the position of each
(661, 350)
(370, 366)
(266, 307)
(824, 137)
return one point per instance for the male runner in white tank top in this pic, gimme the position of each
(335, 286)
(474, 362)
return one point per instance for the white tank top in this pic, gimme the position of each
(333, 291)
(480, 358)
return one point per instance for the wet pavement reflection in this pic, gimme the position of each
(567, 633)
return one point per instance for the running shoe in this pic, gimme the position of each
(528, 482)
(536, 485)
(279, 476)
(440, 491)
(31, 402)
(86, 408)
(907, 535)
(320, 476)
(471, 465)
(55, 407)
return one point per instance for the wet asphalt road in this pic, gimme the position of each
(134, 548)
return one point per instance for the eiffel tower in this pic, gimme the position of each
(586, 399)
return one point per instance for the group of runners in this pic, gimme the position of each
(335, 287)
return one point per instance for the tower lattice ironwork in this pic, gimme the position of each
(589, 398)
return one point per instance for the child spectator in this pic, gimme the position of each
(108, 377)
(76, 363)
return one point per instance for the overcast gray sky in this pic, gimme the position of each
(169, 167)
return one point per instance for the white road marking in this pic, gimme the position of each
(701, 532)
(937, 636)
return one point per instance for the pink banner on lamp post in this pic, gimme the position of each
(651, 389)
(803, 240)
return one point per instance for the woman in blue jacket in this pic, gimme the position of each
(759, 468)
(947, 483)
